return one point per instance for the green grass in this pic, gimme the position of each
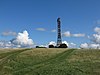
(49, 62)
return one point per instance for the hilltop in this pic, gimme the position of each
(54, 61)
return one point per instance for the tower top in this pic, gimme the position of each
(58, 20)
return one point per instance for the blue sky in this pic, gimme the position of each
(77, 16)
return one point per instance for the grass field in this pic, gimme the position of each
(46, 61)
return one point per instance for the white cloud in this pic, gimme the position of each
(96, 37)
(52, 43)
(68, 34)
(70, 45)
(84, 45)
(9, 33)
(90, 46)
(97, 29)
(22, 40)
(40, 29)
(53, 30)
(5, 44)
(94, 46)
(78, 35)
(65, 42)
(95, 40)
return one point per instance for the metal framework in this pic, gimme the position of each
(59, 40)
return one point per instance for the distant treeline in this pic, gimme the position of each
(52, 46)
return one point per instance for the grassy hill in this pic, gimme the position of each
(49, 62)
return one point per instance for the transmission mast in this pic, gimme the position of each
(59, 40)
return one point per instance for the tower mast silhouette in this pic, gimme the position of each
(59, 40)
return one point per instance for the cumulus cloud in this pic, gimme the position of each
(70, 45)
(41, 29)
(90, 46)
(69, 34)
(9, 33)
(22, 40)
(94, 46)
(97, 29)
(65, 42)
(5, 44)
(84, 45)
(95, 39)
(52, 43)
